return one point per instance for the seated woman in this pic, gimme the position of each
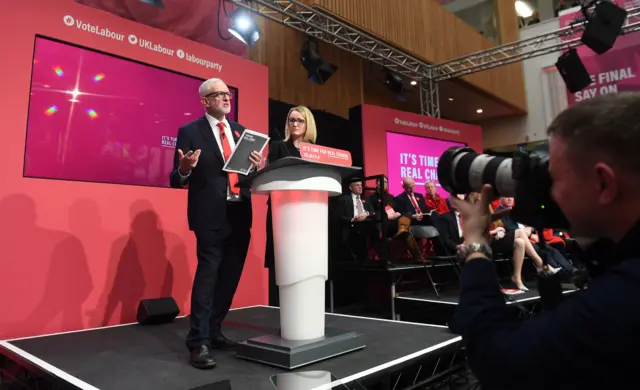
(513, 242)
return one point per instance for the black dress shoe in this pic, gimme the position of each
(201, 357)
(223, 343)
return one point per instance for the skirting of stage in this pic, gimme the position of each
(155, 357)
(452, 297)
(425, 306)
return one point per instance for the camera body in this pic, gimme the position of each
(524, 177)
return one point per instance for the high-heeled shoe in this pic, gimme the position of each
(519, 285)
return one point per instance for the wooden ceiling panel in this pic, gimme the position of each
(430, 32)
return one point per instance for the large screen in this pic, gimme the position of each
(415, 157)
(101, 118)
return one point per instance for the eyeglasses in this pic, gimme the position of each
(293, 121)
(220, 95)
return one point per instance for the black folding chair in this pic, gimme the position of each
(431, 234)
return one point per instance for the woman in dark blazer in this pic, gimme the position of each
(300, 127)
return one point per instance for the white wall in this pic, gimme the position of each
(531, 127)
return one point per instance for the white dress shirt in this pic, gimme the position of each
(356, 198)
(457, 214)
(213, 123)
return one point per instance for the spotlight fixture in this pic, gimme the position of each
(450, 99)
(573, 72)
(244, 27)
(523, 9)
(603, 26)
(395, 84)
(155, 3)
(318, 70)
(413, 82)
(479, 110)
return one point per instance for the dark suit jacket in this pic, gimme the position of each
(407, 207)
(282, 149)
(345, 210)
(569, 342)
(207, 199)
(448, 228)
(377, 205)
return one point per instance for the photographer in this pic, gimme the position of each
(591, 339)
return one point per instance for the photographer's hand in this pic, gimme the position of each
(476, 218)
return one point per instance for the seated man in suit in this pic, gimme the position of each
(449, 226)
(398, 224)
(411, 202)
(356, 216)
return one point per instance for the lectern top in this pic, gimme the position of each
(245, 182)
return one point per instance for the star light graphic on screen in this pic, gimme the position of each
(76, 95)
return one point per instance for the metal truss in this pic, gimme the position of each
(559, 40)
(319, 25)
(322, 26)
(429, 97)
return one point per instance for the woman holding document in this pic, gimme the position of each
(300, 127)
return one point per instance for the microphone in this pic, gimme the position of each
(281, 139)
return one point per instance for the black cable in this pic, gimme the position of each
(218, 24)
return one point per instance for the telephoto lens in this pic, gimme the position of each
(461, 170)
(525, 177)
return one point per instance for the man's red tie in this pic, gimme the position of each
(226, 148)
(415, 204)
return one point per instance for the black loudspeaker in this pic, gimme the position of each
(157, 311)
(573, 72)
(604, 26)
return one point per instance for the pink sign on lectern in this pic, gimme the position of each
(323, 154)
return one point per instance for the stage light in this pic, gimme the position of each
(155, 3)
(523, 9)
(479, 110)
(244, 27)
(51, 110)
(395, 85)
(58, 70)
(604, 25)
(318, 70)
(413, 82)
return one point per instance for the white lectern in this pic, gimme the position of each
(300, 192)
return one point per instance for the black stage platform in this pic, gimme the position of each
(154, 357)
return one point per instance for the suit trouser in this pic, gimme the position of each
(221, 259)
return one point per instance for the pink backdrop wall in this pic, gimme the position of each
(76, 254)
(377, 121)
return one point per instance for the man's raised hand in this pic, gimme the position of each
(188, 161)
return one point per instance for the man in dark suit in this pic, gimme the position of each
(449, 226)
(219, 214)
(356, 217)
(411, 202)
